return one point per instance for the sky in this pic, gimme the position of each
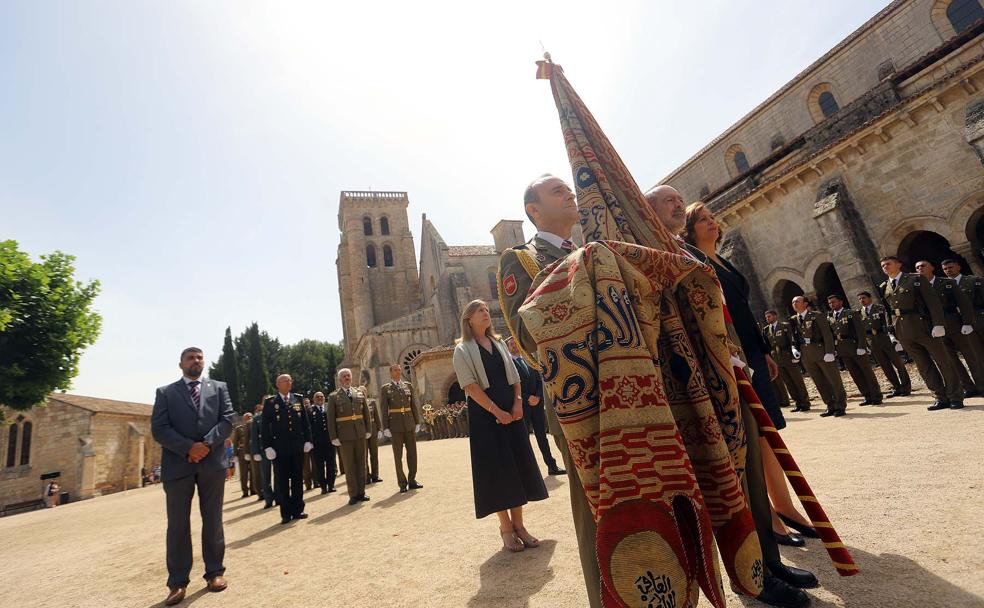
(191, 154)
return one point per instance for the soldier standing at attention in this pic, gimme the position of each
(241, 443)
(286, 439)
(851, 341)
(308, 481)
(323, 454)
(883, 345)
(264, 467)
(973, 288)
(816, 343)
(916, 309)
(348, 428)
(789, 382)
(401, 421)
(375, 436)
(958, 319)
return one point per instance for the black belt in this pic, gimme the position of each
(905, 311)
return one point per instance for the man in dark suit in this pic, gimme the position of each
(324, 451)
(286, 438)
(532, 389)
(191, 420)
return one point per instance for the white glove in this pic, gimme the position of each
(308, 446)
(257, 457)
(736, 361)
(368, 435)
(829, 358)
(271, 453)
(336, 443)
(966, 329)
(418, 428)
(893, 339)
(898, 347)
(938, 331)
(796, 354)
(379, 435)
(861, 352)
(388, 433)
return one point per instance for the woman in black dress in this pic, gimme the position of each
(703, 232)
(505, 475)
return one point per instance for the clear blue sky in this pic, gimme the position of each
(191, 154)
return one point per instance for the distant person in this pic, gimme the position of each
(230, 459)
(52, 494)
(191, 420)
(264, 465)
(323, 454)
(505, 475)
(532, 384)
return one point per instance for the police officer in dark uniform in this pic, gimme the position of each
(884, 346)
(286, 438)
(918, 323)
(323, 454)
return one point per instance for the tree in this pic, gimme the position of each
(46, 321)
(230, 371)
(312, 365)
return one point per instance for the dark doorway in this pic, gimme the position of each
(455, 393)
(783, 294)
(928, 245)
(827, 283)
(975, 234)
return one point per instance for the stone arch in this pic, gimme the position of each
(491, 273)
(784, 289)
(891, 239)
(384, 226)
(407, 356)
(928, 245)
(944, 10)
(814, 98)
(455, 393)
(366, 226)
(371, 256)
(736, 160)
(826, 282)
(974, 230)
(388, 255)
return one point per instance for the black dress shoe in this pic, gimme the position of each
(777, 593)
(268, 505)
(907, 392)
(284, 520)
(789, 540)
(795, 577)
(866, 402)
(895, 393)
(956, 405)
(827, 413)
(403, 489)
(839, 413)
(972, 393)
(939, 405)
(807, 531)
(324, 490)
(415, 486)
(557, 471)
(330, 490)
(354, 500)
(878, 402)
(259, 499)
(364, 498)
(301, 516)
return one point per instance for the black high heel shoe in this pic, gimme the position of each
(806, 531)
(789, 540)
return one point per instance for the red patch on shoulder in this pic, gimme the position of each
(509, 285)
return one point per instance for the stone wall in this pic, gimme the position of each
(123, 444)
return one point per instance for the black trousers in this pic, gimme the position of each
(177, 495)
(266, 475)
(538, 419)
(289, 482)
(324, 467)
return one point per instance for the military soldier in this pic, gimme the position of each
(919, 322)
(789, 382)
(851, 341)
(883, 345)
(308, 479)
(973, 288)
(323, 454)
(240, 442)
(348, 427)
(264, 472)
(401, 421)
(815, 342)
(958, 319)
(375, 436)
(550, 205)
(286, 439)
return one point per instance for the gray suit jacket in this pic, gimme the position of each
(176, 425)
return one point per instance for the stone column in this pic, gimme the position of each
(87, 469)
(966, 250)
(854, 254)
(974, 129)
(734, 248)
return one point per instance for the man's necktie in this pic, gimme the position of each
(196, 394)
(895, 283)
(567, 245)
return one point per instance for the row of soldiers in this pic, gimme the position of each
(289, 438)
(934, 319)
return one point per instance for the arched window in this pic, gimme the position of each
(493, 284)
(384, 226)
(371, 255)
(736, 160)
(387, 256)
(741, 163)
(963, 14)
(12, 445)
(26, 443)
(828, 105)
(367, 226)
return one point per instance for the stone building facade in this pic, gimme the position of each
(97, 445)
(874, 149)
(393, 310)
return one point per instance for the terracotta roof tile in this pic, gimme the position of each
(102, 406)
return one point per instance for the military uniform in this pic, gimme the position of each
(957, 312)
(849, 338)
(348, 422)
(240, 444)
(917, 309)
(372, 444)
(323, 454)
(264, 472)
(814, 340)
(517, 267)
(286, 429)
(876, 323)
(973, 288)
(308, 479)
(400, 418)
(789, 381)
